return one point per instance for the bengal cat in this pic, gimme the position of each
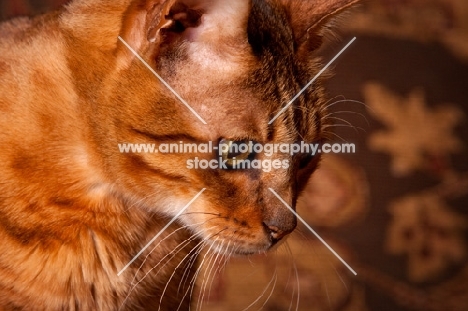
(75, 210)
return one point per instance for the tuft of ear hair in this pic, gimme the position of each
(310, 19)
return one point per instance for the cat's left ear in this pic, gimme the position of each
(311, 19)
(142, 23)
(149, 25)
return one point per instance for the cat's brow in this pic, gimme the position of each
(173, 137)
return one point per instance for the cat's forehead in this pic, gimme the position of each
(243, 76)
(258, 32)
(270, 36)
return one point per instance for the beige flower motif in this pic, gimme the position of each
(416, 135)
(336, 194)
(425, 229)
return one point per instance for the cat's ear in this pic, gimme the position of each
(149, 24)
(311, 19)
(143, 21)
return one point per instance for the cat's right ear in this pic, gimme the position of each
(312, 19)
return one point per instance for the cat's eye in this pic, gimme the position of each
(304, 160)
(233, 152)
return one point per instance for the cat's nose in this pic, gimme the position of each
(276, 234)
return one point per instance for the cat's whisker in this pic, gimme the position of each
(232, 250)
(289, 270)
(191, 255)
(324, 278)
(205, 279)
(213, 265)
(191, 284)
(273, 278)
(336, 135)
(149, 253)
(288, 248)
(181, 228)
(223, 249)
(299, 134)
(180, 246)
(199, 269)
(188, 267)
(249, 258)
(325, 108)
(333, 99)
(198, 248)
(211, 276)
(349, 112)
(187, 270)
(217, 270)
(302, 109)
(292, 298)
(227, 258)
(272, 291)
(299, 231)
(276, 264)
(344, 125)
(328, 295)
(184, 279)
(161, 231)
(191, 263)
(341, 279)
(345, 122)
(249, 276)
(174, 252)
(164, 239)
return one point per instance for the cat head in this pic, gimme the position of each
(233, 65)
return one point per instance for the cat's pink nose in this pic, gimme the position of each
(278, 223)
(276, 233)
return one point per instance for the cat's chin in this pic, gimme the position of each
(250, 252)
(230, 249)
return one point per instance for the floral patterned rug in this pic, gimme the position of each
(397, 210)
